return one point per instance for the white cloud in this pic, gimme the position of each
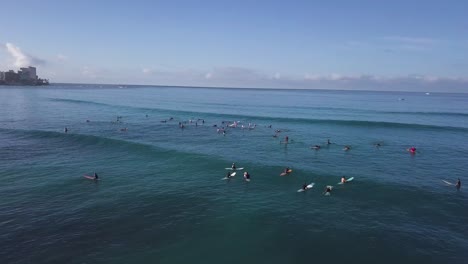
(61, 57)
(20, 58)
(147, 71)
(410, 40)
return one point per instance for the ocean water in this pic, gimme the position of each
(161, 198)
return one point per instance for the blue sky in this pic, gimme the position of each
(390, 45)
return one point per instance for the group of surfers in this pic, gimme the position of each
(233, 167)
(288, 170)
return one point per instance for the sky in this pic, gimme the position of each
(363, 45)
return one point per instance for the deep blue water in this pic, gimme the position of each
(161, 198)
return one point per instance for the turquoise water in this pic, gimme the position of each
(161, 198)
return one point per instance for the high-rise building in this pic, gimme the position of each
(27, 74)
(2, 76)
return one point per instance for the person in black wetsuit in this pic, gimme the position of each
(96, 177)
(458, 185)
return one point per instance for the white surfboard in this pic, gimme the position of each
(448, 183)
(232, 175)
(235, 169)
(307, 187)
(347, 180)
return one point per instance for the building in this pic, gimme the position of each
(28, 74)
(11, 77)
(25, 76)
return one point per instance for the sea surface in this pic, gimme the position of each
(160, 198)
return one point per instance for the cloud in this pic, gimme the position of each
(410, 40)
(147, 71)
(22, 59)
(393, 43)
(240, 77)
(61, 57)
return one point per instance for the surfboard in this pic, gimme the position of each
(307, 188)
(232, 175)
(448, 183)
(285, 173)
(347, 180)
(235, 169)
(247, 180)
(90, 177)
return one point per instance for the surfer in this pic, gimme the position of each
(286, 139)
(458, 185)
(412, 150)
(96, 177)
(66, 130)
(328, 190)
(343, 179)
(233, 167)
(328, 142)
(246, 176)
(304, 186)
(228, 175)
(377, 145)
(286, 170)
(316, 147)
(346, 148)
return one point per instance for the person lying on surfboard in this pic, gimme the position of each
(304, 186)
(343, 179)
(286, 170)
(346, 148)
(316, 147)
(233, 166)
(96, 177)
(328, 189)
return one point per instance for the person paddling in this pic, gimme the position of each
(247, 176)
(328, 190)
(304, 186)
(343, 179)
(96, 177)
(233, 167)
